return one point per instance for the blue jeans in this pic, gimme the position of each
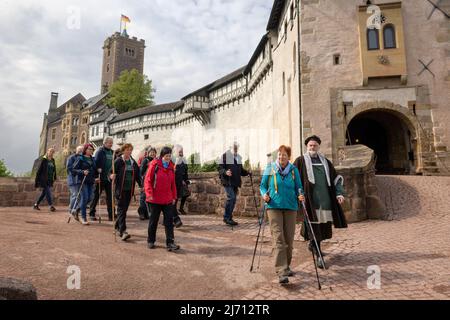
(87, 194)
(73, 197)
(46, 193)
(231, 202)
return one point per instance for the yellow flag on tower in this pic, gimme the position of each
(125, 19)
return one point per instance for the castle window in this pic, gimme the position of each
(336, 59)
(389, 37)
(107, 68)
(53, 133)
(373, 39)
(83, 138)
(146, 137)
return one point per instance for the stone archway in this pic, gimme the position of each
(391, 131)
(388, 136)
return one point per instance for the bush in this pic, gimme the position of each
(4, 172)
(60, 162)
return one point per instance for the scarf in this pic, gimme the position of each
(309, 167)
(286, 170)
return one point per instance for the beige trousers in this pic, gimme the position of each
(282, 227)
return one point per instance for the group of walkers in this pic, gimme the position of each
(311, 180)
(163, 181)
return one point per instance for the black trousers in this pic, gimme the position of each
(104, 185)
(183, 201)
(122, 208)
(155, 212)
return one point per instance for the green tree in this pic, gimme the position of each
(132, 91)
(4, 172)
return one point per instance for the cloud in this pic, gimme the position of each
(189, 44)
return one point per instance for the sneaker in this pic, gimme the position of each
(151, 245)
(230, 222)
(36, 207)
(52, 209)
(178, 224)
(173, 247)
(125, 236)
(84, 222)
(283, 279)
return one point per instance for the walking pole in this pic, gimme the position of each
(257, 238)
(319, 253)
(113, 202)
(76, 200)
(99, 199)
(262, 236)
(311, 233)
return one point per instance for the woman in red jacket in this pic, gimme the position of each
(161, 194)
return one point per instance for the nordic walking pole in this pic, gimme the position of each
(113, 202)
(99, 198)
(319, 253)
(311, 233)
(76, 199)
(262, 238)
(257, 240)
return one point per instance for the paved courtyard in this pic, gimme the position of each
(411, 251)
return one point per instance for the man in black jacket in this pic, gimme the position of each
(230, 173)
(103, 162)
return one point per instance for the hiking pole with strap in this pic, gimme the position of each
(99, 198)
(262, 236)
(319, 252)
(260, 219)
(76, 199)
(312, 236)
(113, 202)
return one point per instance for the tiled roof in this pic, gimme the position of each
(149, 110)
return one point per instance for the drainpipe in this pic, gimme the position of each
(299, 66)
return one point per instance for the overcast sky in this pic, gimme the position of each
(57, 46)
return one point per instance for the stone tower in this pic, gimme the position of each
(120, 52)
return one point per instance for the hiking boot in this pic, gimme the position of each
(36, 207)
(289, 273)
(283, 279)
(173, 247)
(84, 222)
(151, 245)
(178, 223)
(230, 222)
(52, 209)
(125, 236)
(74, 214)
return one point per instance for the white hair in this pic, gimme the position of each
(108, 139)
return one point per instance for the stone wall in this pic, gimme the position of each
(20, 192)
(356, 165)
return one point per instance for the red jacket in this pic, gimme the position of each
(163, 190)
